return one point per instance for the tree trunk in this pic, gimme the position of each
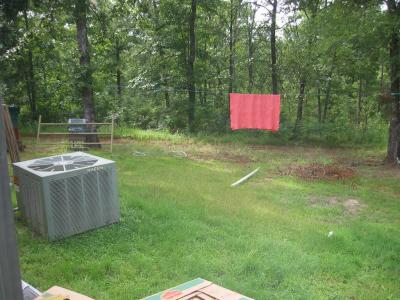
(319, 106)
(220, 98)
(45, 88)
(232, 20)
(393, 149)
(300, 102)
(382, 84)
(32, 85)
(359, 103)
(232, 42)
(30, 78)
(250, 47)
(326, 102)
(274, 73)
(81, 7)
(163, 78)
(203, 99)
(328, 93)
(163, 71)
(190, 67)
(382, 87)
(166, 94)
(393, 142)
(118, 60)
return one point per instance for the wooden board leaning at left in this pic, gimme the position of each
(12, 144)
(10, 277)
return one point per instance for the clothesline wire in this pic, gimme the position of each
(217, 92)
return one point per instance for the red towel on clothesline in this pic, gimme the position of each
(255, 111)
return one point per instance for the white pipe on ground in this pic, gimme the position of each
(245, 178)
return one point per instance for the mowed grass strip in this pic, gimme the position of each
(266, 239)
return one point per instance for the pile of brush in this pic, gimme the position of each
(330, 171)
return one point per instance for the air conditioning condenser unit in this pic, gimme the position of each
(67, 194)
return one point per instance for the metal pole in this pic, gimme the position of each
(10, 277)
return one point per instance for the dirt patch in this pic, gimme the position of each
(331, 171)
(329, 201)
(332, 201)
(350, 206)
(371, 167)
(222, 156)
(366, 162)
(205, 152)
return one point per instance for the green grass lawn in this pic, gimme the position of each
(267, 239)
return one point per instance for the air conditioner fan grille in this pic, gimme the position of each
(62, 163)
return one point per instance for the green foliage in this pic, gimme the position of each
(139, 56)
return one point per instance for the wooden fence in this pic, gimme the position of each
(76, 134)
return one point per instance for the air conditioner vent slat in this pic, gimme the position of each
(77, 209)
(92, 200)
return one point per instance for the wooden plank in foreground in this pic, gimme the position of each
(10, 277)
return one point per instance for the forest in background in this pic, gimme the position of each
(171, 64)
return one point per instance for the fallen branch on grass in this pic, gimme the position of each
(245, 178)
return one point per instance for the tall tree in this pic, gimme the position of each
(85, 80)
(191, 83)
(232, 41)
(359, 102)
(250, 46)
(328, 96)
(393, 149)
(118, 49)
(300, 104)
(161, 52)
(274, 67)
(312, 7)
(30, 74)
